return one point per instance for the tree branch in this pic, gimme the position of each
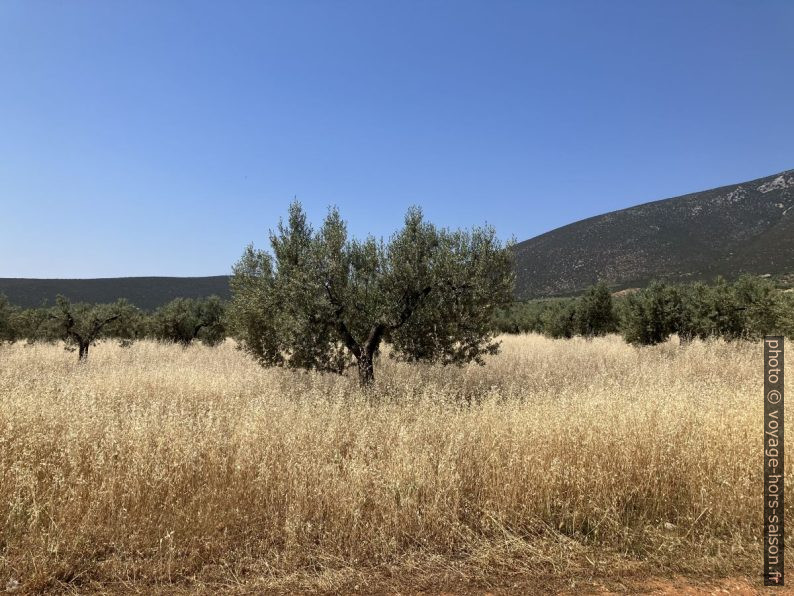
(411, 304)
(347, 337)
(98, 325)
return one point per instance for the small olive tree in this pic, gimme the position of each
(7, 315)
(651, 315)
(559, 319)
(594, 313)
(81, 324)
(184, 320)
(762, 305)
(324, 301)
(30, 324)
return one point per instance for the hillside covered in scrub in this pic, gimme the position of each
(147, 293)
(741, 228)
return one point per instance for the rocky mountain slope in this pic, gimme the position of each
(741, 228)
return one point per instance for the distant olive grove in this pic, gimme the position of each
(747, 308)
(320, 300)
(81, 325)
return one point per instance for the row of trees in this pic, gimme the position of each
(745, 309)
(271, 326)
(81, 325)
(319, 300)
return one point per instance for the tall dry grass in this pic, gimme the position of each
(154, 466)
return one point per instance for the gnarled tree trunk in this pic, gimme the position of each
(366, 370)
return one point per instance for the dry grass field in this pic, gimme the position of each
(560, 465)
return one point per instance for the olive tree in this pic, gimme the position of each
(594, 313)
(184, 320)
(559, 319)
(7, 316)
(323, 301)
(82, 325)
(651, 315)
(30, 324)
(762, 306)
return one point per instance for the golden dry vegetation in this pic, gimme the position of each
(152, 468)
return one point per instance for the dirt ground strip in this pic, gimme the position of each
(677, 585)
(663, 586)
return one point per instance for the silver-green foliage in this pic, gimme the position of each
(7, 316)
(184, 320)
(80, 325)
(748, 308)
(323, 301)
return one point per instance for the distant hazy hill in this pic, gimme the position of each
(747, 227)
(145, 292)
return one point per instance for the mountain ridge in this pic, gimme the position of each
(746, 227)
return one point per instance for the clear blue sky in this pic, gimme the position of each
(160, 137)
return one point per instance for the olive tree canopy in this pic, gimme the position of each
(7, 313)
(186, 319)
(323, 301)
(82, 325)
